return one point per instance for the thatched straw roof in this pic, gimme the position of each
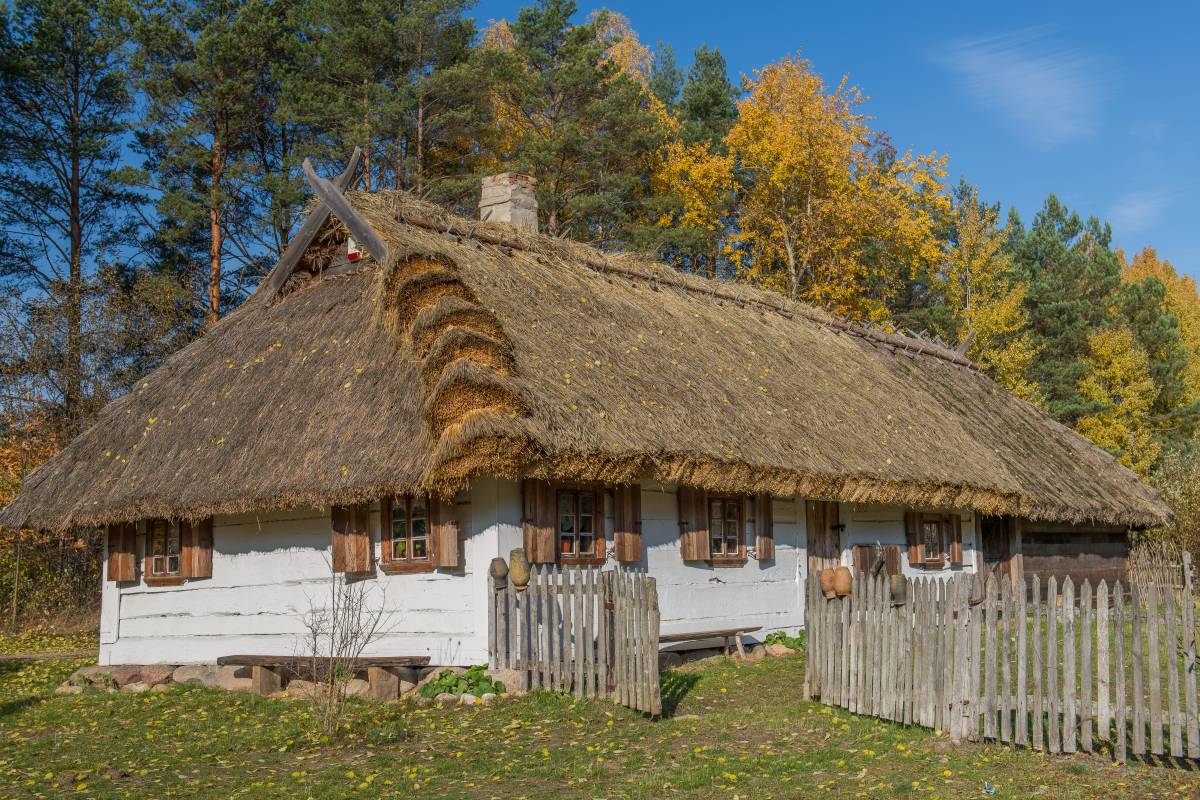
(480, 349)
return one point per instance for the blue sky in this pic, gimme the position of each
(1097, 102)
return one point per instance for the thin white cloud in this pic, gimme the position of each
(1139, 210)
(1049, 92)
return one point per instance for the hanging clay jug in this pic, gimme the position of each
(826, 579)
(899, 589)
(842, 581)
(518, 569)
(498, 569)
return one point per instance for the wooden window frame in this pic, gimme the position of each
(388, 563)
(724, 559)
(599, 555)
(938, 561)
(151, 577)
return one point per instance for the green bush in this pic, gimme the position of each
(779, 637)
(474, 681)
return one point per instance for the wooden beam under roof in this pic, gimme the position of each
(308, 231)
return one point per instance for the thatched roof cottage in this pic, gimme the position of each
(468, 387)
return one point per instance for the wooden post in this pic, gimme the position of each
(1054, 742)
(1103, 690)
(1138, 698)
(1189, 659)
(1086, 677)
(265, 680)
(1068, 660)
(383, 683)
(1171, 650)
(989, 671)
(973, 588)
(1005, 637)
(1154, 684)
(1121, 743)
(1021, 734)
(1036, 663)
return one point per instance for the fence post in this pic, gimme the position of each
(1086, 678)
(1021, 734)
(1068, 661)
(1189, 659)
(1174, 717)
(1118, 620)
(1155, 675)
(1139, 695)
(1103, 692)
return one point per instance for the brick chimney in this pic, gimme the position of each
(508, 197)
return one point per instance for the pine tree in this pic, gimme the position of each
(1181, 299)
(665, 77)
(1073, 279)
(708, 101)
(63, 107)
(574, 118)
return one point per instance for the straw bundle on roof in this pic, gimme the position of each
(481, 349)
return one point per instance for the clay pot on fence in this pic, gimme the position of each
(498, 569)
(843, 581)
(899, 589)
(518, 569)
(826, 579)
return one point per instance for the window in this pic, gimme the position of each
(165, 546)
(725, 528)
(406, 541)
(580, 527)
(932, 540)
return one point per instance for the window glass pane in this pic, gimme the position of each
(420, 547)
(400, 548)
(586, 502)
(931, 538)
(173, 564)
(173, 543)
(585, 523)
(399, 533)
(566, 513)
(587, 545)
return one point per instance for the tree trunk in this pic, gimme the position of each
(213, 312)
(419, 184)
(73, 379)
(366, 121)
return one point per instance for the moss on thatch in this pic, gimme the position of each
(480, 349)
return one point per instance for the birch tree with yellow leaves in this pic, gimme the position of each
(984, 299)
(1117, 383)
(829, 213)
(1181, 299)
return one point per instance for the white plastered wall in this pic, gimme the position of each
(868, 524)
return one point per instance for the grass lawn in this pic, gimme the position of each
(736, 730)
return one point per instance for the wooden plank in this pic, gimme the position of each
(1037, 664)
(1005, 654)
(1103, 670)
(1137, 700)
(975, 681)
(931, 666)
(1120, 740)
(939, 655)
(1154, 674)
(963, 713)
(654, 619)
(568, 632)
(1189, 659)
(909, 653)
(332, 197)
(1070, 721)
(1053, 732)
(989, 673)
(604, 649)
(1087, 678)
(880, 646)
(1171, 653)
(854, 640)
(1021, 621)
(844, 604)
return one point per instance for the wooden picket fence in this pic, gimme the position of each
(581, 630)
(1104, 667)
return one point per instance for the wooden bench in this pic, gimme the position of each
(726, 633)
(266, 672)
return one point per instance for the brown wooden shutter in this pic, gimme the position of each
(197, 548)
(912, 532)
(764, 527)
(121, 543)
(954, 523)
(352, 545)
(627, 524)
(540, 513)
(694, 542)
(385, 530)
(891, 560)
(444, 527)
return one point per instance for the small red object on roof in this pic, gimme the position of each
(353, 251)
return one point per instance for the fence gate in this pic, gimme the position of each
(1059, 668)
(580, 630)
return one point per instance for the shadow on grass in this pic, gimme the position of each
(675, 686)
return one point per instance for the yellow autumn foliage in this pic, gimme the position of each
(823, 217)
(986, 302)
(1182, 300)
(1117, 380)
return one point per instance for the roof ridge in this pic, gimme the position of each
(425, 215)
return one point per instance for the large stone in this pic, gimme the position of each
(125, 674)
(756, 653)
(701, 654)
(406, 688)
(779, 650)
(154, 674)
(201, 674)
(234, 679)
(445, 698)
(137, 687)
(468, 699)
(68, 688)
(91, 675)
(513, 680)
(487, 698)
(357, 687)
(161, 687)
(305, 689)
